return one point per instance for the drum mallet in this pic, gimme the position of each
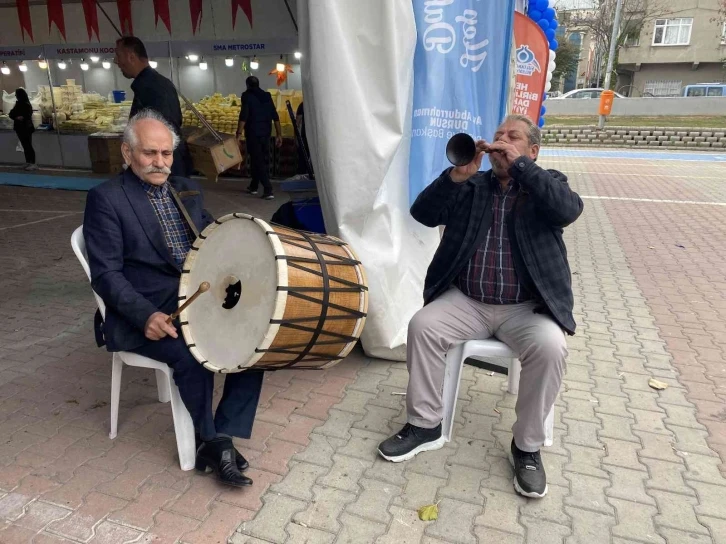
(203, 288)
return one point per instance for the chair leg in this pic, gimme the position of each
(450, 390)
(514, 368)
(162, 386)
(550, 428)
(117, 367)
(183, 427)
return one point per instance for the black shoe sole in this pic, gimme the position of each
(201, 466)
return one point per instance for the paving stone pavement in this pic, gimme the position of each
(629, 464)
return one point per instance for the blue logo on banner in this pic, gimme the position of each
(461, 78)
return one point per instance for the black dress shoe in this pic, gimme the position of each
(242, 463)
(219, 455)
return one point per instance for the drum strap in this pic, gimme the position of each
(184, 211)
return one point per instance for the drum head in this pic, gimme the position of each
(226, 325)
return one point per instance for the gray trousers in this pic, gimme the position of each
(454, 318)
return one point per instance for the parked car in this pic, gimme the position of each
(705, 89)
(584, 93)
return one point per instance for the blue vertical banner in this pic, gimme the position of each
(461, 78)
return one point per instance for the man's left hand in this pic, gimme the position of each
(278, 142)
(505, 152)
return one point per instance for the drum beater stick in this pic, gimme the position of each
(203, 288)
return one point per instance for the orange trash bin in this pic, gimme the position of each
(606, 102)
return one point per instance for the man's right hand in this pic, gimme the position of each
(157, 328)
(460, 174)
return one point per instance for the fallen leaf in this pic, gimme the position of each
(679, 245)
(428, 513)
(497, 411)
(656, 384)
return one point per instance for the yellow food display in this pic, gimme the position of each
(222, 112)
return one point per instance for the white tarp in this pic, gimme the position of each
(357, 82)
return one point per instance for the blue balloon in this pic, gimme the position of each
(542, 5)
(541, 122)
(550, 34)
(554, 24)
(543, 24)
(554, 45)
(542, 111)
(535, 15)
(549, 14)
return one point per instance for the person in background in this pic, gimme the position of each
(22, 116)
(302, 163)
(153, 91)
(255, 119)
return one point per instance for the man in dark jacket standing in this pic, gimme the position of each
(255, 120)
(153, 91)
(501, 270)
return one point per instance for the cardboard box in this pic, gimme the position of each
(212, 157)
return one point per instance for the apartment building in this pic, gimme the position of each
(589, 66)
(686, 45)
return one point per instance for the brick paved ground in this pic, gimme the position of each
(629, 464)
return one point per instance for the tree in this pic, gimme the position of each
(567, 61)
(598, 21)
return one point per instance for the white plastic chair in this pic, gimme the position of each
(452, 378)
(168, 390)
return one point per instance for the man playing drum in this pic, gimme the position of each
(139, 227)
(500, 270)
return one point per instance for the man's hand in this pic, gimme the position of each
(278, 142)
(461, 173)
(506, 153)
(157, 328)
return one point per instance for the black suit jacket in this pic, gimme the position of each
(132, 269)
(544, 206)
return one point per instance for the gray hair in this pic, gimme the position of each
(535, 134)
(130, 136)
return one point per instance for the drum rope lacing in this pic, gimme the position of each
(353, 287)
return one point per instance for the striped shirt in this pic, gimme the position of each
(490, 277)
(177, 233)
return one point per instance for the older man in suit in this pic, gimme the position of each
(138, 229)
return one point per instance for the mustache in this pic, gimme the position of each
(154, 170)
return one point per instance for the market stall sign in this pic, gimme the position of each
(21, 52)
(279, 46)
(79, 50)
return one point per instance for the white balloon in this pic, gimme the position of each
(553, 54)
(549, 77)
(548, 86)
(552, 3)
(551, 66)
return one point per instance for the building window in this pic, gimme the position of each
(632, 34)
(662, 88)
(672, 31)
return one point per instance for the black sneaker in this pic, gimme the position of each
(410, 441)
(268, 197)
(251, 191)
(530, 479)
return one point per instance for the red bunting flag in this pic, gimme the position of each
(55, 15)
(246, 6)
(195, 9)
(161, 11)
(124, 17)
(26, 27)
(91, 15)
